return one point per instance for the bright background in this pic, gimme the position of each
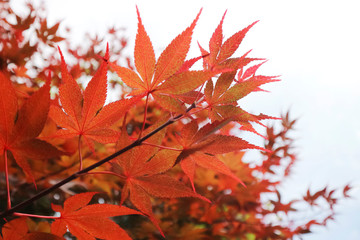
(313, 45)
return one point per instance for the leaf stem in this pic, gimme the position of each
(107, 172)
(145, 114)
(161, 147)
(136, 143)
(198, 94)
(33, 215)
(80, 154)
(199, 110)
(7, 180)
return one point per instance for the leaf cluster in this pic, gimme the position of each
(161, 161)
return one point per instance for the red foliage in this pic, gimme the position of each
(89, 221)
(165, 148)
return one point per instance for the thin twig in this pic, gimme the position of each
(34, 216)
(145, 115)
(7, 180)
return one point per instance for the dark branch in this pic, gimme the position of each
(91, 167)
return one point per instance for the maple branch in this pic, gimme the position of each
(93, 166)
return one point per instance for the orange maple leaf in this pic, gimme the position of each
(199, 147)
(83, 114)
(220, 52)
(167, 77)
(15, 229)
(88, 222)
(19, 128)
(143, 170)
(222, 98)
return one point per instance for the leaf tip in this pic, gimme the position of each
(138, 16)
(254, 23)
(196, 19)
(107, 54)
(223, 17)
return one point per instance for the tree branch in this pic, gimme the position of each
(136, 143)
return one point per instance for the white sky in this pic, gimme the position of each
(313, 45)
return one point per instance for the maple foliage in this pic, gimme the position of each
(17, 229)
(160, 161)
(142, 169)
(153, 73)
(200, 146)
(19, 128)
(89, 221)
(82, 114)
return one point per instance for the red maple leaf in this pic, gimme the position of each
(143, 170)
(222, 98)
(169, 75)
(88, 222)
(199, 147)
(20, 127)
(17, 229)
(83, 114)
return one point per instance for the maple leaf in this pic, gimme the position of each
(222, 99)
(220, 53)
(88, 222)
(143, 169)
(83, 114)
(15, 229)
(215, 42)
(19, 128)
(169, 75)
(199, 147)
(229, 47)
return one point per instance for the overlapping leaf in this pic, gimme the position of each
(166, 77)
(143, 170)
(222, 100)
(88, 222)
(15, 229)
(84, 114)
(199, 147)
(19, 128)
(220, 53)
